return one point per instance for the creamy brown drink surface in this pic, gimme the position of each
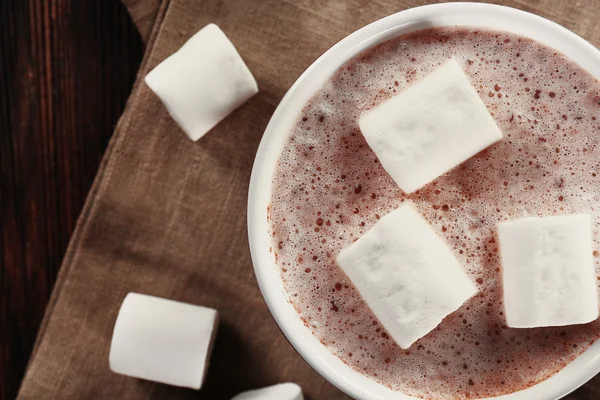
(329, 189)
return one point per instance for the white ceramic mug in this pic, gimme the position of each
(355, 384)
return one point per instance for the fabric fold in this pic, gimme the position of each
(144, 14)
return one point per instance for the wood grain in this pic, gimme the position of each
(66, 69)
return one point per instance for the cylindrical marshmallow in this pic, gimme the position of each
(163, 340)
(202, 82)
(283, 391)
(548, 274)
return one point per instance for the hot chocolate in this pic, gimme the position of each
(329, 189)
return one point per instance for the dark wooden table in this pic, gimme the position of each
(66, 69)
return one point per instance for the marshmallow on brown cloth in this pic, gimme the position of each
(163, 340)
(282, 391)
(203, 82)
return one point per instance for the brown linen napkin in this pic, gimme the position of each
(144, 14)
(166, 216)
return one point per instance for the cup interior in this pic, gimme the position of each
(355, 384)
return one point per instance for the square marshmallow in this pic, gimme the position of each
(203, 82)
(406, 274)
(548, 271)
(429, 128)
(162, 340)
(282, 391)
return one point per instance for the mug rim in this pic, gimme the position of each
(359, 386)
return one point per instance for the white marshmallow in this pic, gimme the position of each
(429, 128)
(203, 82)
(283, 391)
(406, 274)
(162, 340)
(548, 271)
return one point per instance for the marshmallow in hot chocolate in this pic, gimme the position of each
(548, 271)
(406, 274)
(429, 128)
